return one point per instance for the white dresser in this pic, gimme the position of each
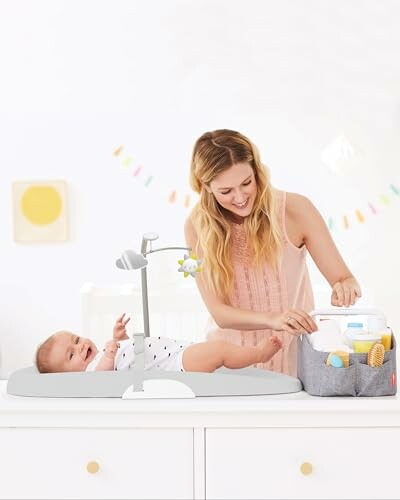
(291, 447)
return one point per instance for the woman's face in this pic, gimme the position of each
(235, 189)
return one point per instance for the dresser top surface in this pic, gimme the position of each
(297, 409)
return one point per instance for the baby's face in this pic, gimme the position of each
(71, 353)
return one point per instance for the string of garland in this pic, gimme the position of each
(127, 162)
(359, 214)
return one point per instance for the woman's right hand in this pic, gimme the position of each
(294, 321)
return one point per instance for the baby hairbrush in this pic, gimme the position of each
(376, 355)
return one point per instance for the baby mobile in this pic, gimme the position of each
(340, 156)
(190, 265)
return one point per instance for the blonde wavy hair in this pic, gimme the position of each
(213, 153)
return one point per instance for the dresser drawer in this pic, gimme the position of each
(302, 463)
(122, 463)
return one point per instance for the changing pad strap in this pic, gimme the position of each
(139, 351)
(138, 365)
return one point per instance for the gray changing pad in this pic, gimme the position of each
(113, 384)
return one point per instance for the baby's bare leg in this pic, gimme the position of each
(208, 356)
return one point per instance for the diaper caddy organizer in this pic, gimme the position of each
(355, 377)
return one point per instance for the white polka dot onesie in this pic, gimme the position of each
(160, 353)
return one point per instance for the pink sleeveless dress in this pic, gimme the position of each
(267, 290)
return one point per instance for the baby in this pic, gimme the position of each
(67, 352)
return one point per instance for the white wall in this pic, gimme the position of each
(80, 78)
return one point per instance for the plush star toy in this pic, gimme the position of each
(190, 264)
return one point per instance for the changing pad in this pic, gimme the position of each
(113, 384)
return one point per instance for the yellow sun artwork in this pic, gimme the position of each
(40, 211)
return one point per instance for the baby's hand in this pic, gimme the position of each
(119, 331)
(111, 349)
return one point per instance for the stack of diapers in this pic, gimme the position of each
(328, 337)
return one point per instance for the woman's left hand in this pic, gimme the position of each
(345, 292)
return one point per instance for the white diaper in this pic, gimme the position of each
(173, 364)
(162, 353)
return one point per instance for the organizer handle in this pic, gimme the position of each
(347, 311)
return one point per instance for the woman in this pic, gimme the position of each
(253, 241)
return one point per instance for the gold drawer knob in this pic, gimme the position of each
(92, 467)
(306, 468)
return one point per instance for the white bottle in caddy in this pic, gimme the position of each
(353, 330)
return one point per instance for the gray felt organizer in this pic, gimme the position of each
(359, 379)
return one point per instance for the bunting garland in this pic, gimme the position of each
(360, 215)
(127, 162)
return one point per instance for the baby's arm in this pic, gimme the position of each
(119, 332)
(106, 362)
